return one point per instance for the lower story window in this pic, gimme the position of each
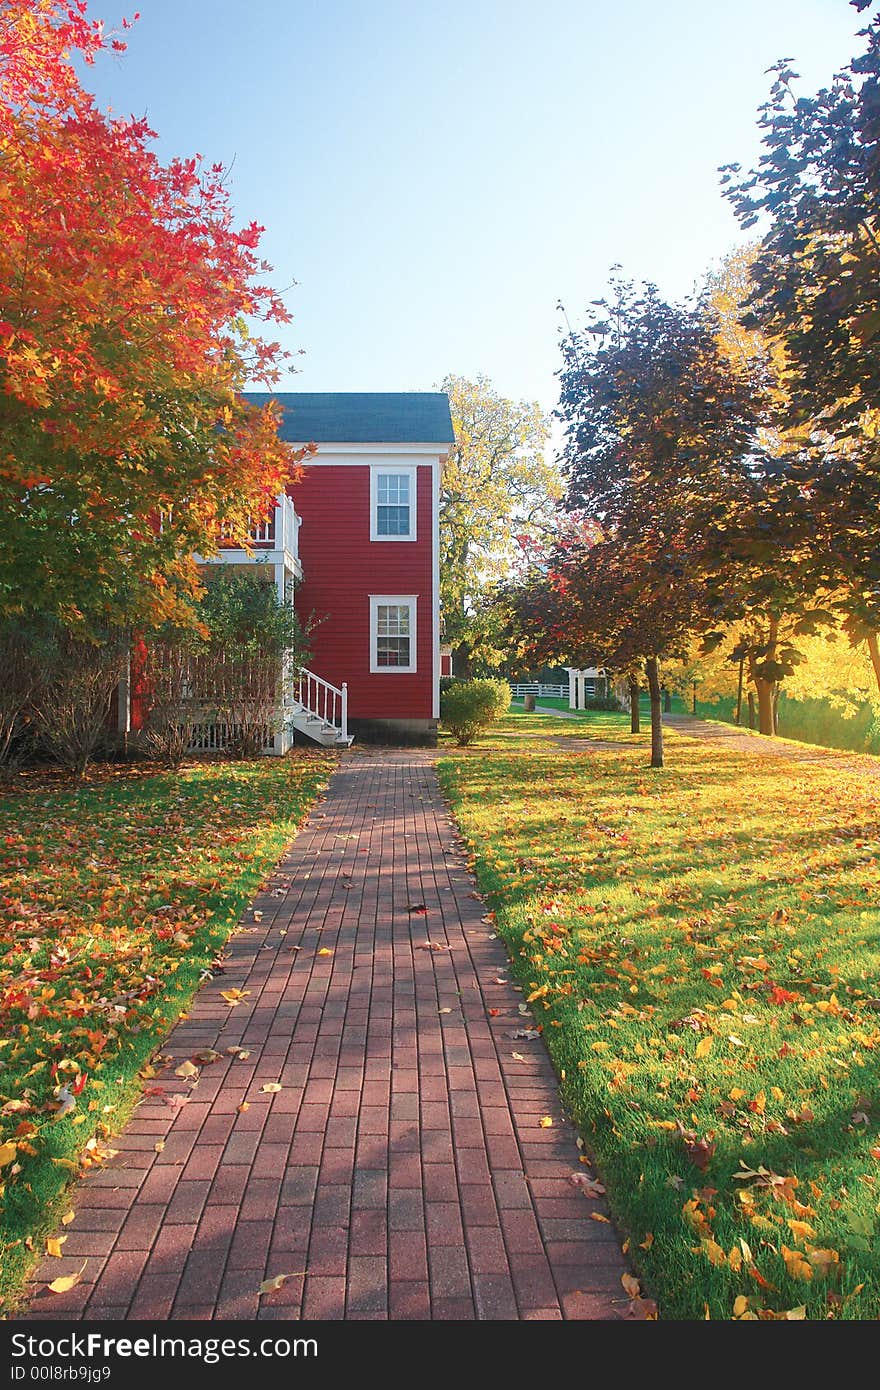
(392, 632)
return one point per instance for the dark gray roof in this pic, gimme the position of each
(362, 417)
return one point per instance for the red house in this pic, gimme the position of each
(357, 541)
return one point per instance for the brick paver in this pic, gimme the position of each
(401, 1170)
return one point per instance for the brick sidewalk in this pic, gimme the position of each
(401, 1171)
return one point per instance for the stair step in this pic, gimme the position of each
(329, 735)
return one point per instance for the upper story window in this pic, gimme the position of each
(392, 503)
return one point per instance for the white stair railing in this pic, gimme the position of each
(317, 697)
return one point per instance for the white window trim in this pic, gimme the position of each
(396, 470)
(412, 601)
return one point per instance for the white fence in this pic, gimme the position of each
(543, 692)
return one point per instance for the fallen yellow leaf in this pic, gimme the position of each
(278, 1281)
(704, 1047)
(632, 1286)
(801, 1230)
(823, 1261)
(233, 996)
(67, 1218)
(54, 1244)
(67, 1282)
(271, 1087)
(545, 1122)
(795, 1264)
(325, 951)
(7, 1153)
(713, 1251)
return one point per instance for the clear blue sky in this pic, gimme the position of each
(436, 174)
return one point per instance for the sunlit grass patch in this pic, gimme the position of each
(701, 947)
(115, 895)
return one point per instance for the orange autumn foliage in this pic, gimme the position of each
(127, 304)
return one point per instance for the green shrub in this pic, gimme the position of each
(466, 707)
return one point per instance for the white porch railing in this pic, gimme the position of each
(278, 531)
(306, 692)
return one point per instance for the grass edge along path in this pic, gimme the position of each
(700, 946)
(116, 895)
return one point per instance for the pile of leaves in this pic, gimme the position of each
(116, 897)
(700, 949)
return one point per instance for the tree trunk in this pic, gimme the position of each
(739, 691)
(462, 662)
(751, 709)
(766, 690)
(776, 709)
(634, 725)
(653, 675)
(874, 650)
(667, 701)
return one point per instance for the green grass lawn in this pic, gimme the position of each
(700, 948)
(115, 894)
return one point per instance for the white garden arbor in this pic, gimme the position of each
(584, 685)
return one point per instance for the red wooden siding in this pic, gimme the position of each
(342, 567)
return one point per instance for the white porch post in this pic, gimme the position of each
(279, 581)
(581, 690)
(123, 720)
(572, 688)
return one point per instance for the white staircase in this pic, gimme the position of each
(317, 709)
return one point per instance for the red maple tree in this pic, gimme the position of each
(128, 305)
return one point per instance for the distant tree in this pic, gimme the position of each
(815, 290)
(659, 433)
(497, 493)
(606, 603)
(829, 668)
(785, 589)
